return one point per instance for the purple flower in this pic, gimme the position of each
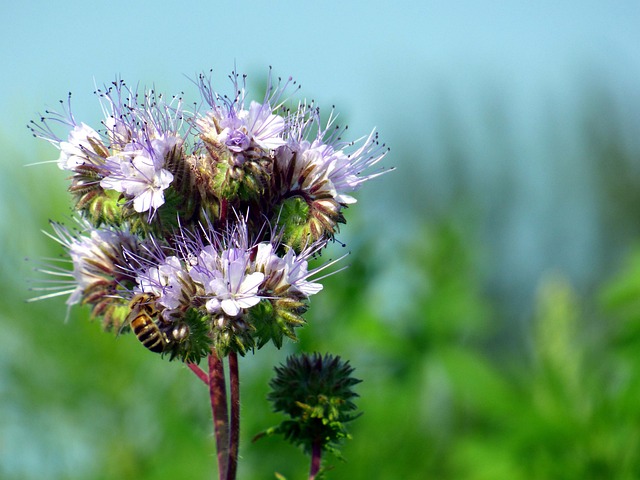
(324, 167)
(166, 282)
(233, 287)
(265, 128)
(98, 263)
(236, 140)
(226, 279)
(77, 149)
(139, 174)
(239, 129)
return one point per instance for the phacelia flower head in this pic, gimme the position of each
(99, 269)
(131, 161)
(203, 225)
(140, 173)
(230, 124)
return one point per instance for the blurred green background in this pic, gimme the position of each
(492, 300)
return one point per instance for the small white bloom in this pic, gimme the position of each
(145, 184)
(97, 259)
(75, 151)
(285, 274)
(231, 287)
(139, 174)
(266, 260)
(165, 281)
(265, 128)
(85, 253)
(296, 268)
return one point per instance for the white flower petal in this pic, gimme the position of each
(251, 283)
(247, 302)
(230, 307)
(213, 305)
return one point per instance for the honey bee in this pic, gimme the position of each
(142, 322)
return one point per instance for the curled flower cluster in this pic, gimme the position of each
(199, 226)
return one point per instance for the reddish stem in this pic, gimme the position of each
(234, 427)
(316, 457)
(224, 205)
(201, 374)
(218, 395)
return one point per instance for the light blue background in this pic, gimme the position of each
(379, 61)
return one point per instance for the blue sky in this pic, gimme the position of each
(369, 58)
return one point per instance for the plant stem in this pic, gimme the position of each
(201, 374)
(224, 205)
(316, 456)
(234, 427)
(218, 395)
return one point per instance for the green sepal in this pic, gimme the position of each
(239, 183)
(235, 335)
(292, 218)
(272, 320)
(101, 206)
(304, 221)
(174, 209)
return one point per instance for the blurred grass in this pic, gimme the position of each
(454, 387)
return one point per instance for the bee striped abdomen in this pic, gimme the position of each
(141, 320)
(148, 333)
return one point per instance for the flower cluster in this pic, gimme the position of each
(201, 225)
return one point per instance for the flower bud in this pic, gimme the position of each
(315, 392)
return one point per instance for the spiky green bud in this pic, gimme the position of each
(315, 392)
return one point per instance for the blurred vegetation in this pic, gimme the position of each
(454, 387)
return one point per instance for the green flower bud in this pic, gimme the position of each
(112, 311)
(100, 206)
(315, 392)
(231, 334)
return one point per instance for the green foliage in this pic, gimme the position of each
(441, 400)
